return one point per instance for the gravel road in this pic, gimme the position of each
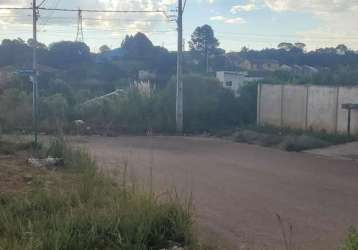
(239, 189)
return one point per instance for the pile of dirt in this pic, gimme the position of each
(285, 142)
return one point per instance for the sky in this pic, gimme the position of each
(255, 24)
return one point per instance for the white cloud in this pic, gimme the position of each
(316, 6)
(218, 18)
(250, 6)
(131, 22)
(237, 20)
(338, 20)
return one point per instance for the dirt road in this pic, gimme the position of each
(238, 189)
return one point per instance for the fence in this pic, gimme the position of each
(307, 107)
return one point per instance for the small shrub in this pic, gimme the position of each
(351, 242)
(74, 158)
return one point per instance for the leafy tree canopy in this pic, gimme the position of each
(203, 40)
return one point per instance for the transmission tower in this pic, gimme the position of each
(79, 36)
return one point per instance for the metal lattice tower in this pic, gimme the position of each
(79, 36)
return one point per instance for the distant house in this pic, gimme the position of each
(110, 56)
(235, 80)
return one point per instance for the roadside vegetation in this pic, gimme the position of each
(285, 138)
(79, 208)
(351, 242)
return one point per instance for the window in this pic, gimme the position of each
(228, 84)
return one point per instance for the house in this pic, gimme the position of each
(235, 80)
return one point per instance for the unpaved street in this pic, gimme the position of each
(238, 189)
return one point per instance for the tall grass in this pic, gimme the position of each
(89, 211)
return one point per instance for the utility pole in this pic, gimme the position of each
(179, 96)
(35, 73)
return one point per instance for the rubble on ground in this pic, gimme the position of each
(49, 162)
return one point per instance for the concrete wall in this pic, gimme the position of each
(322, 108)
(294, 98)
(270, 104)
(307, 107)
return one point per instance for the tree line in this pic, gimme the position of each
(70, 75)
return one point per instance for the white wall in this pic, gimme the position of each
(322, 108)
(294, 98)
(270, 105)
(307, 107)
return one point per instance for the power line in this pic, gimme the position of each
(51, 14)
(107, 11)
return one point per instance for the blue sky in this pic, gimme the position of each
(252, 23)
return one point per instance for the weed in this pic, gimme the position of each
(74, 158)
(351, 242)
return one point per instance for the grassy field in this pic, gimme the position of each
(78, 208)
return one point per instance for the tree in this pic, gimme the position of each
(203, 40)
(15, 52)
(30, 43)
(138, 46)
(204, 45)
(286, 46)
(299, 45)
(104, 48)
(67, 54)
(342, 49)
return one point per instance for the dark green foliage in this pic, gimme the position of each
(14, 52)
(341, 76)
(207, 105)
(205, 46)
(203, 40)
(67, 54)
(15, 109)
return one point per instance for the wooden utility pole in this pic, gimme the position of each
(35, 73)
(179, 96)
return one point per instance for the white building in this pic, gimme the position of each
(235, 80)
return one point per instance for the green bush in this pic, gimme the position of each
(208, 106)
(351, 242)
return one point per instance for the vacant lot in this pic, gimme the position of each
(238, 189)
